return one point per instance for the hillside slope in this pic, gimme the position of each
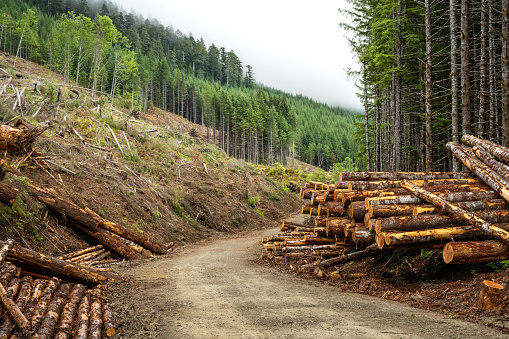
(154, 173)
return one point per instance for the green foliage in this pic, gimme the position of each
(346, 165)
(177, 209)
(498, 266)
(252, 201)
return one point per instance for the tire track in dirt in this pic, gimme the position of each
(213, 290)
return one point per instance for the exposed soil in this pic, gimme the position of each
(214, 289)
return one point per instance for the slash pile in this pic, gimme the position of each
(365, 213)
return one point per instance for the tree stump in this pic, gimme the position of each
(490, 297)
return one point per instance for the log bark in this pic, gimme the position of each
(96, 316)
(386, 211)
(108, 327)
(450, 197)
(5, 249)
(458, 212)
(81, 252)
(86, 256)
(82, 320)
(375, 185)
(7, 194)
(108, 240)
(372, 176)
(499, 167)
(475, 252)
(64, 330)
(432, 235)
(137, 238)
(13, 311)
(498, 151)
(40, 310)
(485, 173)
(371, 250)
(51, 319)
(472, 206)
(490, 296)
(60, 266)
(422, 222)
(24, 294)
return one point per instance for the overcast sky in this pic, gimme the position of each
(295, 46)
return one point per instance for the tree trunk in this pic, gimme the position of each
(397, 95)
(429, 89)
(500, 152)
(429, 235)
(483, 76)
(465, 68)
(64, 329)
(505, 73)
(50, 322)
(454, 80)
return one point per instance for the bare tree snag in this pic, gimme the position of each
(490, 296)
(475, 252)
(458, 212)
(7, 194)
(59, 266)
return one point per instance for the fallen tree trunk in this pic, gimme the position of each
(475, 252)
(7, 194)
(458, 212)
(59, 266)
(108, 240)
(14, 139)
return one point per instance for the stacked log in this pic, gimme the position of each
(50, 307)
(375, 211)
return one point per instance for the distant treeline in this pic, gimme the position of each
(145, 64)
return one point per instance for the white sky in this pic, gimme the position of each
(295, 46)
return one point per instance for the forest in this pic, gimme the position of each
(143, 65)
(432, 71)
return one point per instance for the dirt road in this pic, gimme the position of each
(213, 290)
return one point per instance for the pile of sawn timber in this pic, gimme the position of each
(365, 213)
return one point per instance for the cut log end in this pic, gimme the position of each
(490, 296)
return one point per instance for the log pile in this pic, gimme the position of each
(53, 308)
(48, 307)
(365, 213)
